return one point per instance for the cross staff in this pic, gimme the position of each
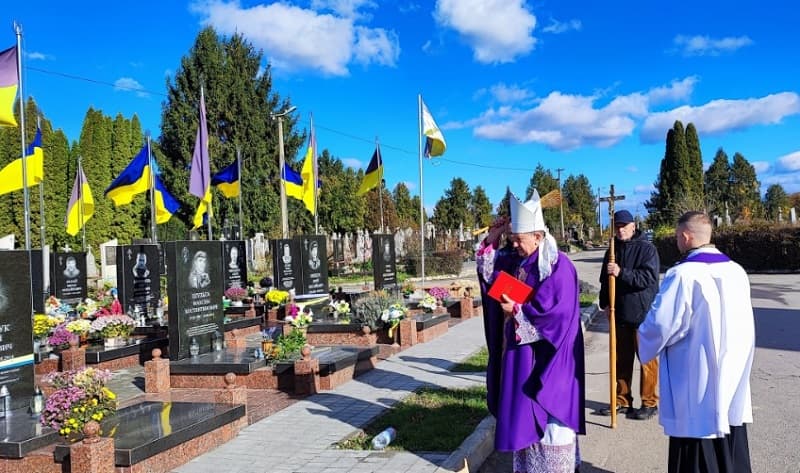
(612, 328)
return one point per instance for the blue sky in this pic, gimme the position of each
(590, 87)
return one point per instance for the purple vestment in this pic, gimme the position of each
(528, 383)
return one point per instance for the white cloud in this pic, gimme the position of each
(561, 122)
(707, 46)
(498, 31)
(505, 93)
(760, 166)
(353, 163)
(37, 56)
(128, 84)
(789, 162)
(789, 182)
(676, 90)
(344, 8)
(295, 38)
(632, 169)
(558, 27)
(720, 116)
(410, 185)
(643, 189)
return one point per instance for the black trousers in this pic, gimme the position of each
(730, 454)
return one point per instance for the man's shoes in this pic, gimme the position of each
(606, 411)
(645, 413)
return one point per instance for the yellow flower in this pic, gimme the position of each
(94, 401)
(74, 409)
(99, 415)
(109, 394)
(83, 408)
(66, 430)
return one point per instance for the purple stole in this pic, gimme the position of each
(708, 258)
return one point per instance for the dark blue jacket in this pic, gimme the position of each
(637, 283)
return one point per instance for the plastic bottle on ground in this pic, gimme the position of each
(380, 441)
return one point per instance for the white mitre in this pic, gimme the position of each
(528, 217)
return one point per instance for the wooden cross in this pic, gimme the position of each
(612, 328)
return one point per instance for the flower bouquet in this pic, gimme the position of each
(392, 316)
(277, 297)
(300, 320)
(235, 293)
(408, 288)
(80, 397)
(428, 303)
(80, 328)
(439, 293)
(340, 309)
(60, 337)
(113, 328)
(43, 324)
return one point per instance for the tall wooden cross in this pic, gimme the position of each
(612, 328)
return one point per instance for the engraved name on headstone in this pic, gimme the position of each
(16, 328)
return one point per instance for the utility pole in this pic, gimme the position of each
(561, 203)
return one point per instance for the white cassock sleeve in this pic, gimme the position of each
(668, 319)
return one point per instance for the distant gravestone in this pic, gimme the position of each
(108, 261)
(338, 251)
(286, 266)
(138, 278)
(69, 276)
(38, 280)
(234, 257)
(384, 268)
(314, 258)
(16, 328)
(7, 242)
(195, 287)
(792, 216)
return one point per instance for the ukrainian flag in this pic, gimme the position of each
(374, 174)
(227, 180)
(165, 203)
(133, 180)
(11, 175)
(9, 83)
(81, 204)
(292, 182)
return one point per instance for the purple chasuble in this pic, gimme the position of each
(528, 383)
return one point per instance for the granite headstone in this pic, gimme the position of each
(16, 329)
(38, 273)
(314, 259)
(234, 257)
(69, 276)
(384, 268)
(286, 264)
(138, 278)
(338, 251)
(195, 287)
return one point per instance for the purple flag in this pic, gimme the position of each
(200, 179)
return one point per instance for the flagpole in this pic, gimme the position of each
(42, 223)
(380, 179)
(241, 189)
(421, 198)
(314, 175)
(26, 196)
(80, 203)
(153, 227)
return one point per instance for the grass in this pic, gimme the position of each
(475, 363)
(425, 421)
(360, 278)
(587, 299)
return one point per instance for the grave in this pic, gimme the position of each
(68, 279)
(384, 268)
(138, 279)
(108, 261)
(314, 259)
(41, 278)
(430, 326)
(234, 263)
(286, 264)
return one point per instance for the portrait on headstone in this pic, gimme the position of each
(140, 269)
(287, 254)
(287, 266)
(315, 264)
(313, 255)
(198, 275)
(138, 277)
(234, 252)
(69, 276)
(71, 268)
(384, 269)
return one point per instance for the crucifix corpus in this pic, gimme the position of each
(612, 328)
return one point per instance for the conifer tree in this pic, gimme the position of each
(481, 207)
(453, 208)
(407, 212)
(745, 189)
(717, 184)
(544, 181)
(776, 202)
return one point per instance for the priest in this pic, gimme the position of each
(701, 326)
(535, 376)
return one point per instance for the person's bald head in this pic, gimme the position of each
(693, 231)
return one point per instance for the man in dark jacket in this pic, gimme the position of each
(636, 271)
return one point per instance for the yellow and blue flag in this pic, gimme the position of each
(292, 182)
(165, 203)
(11, 174)
(81, 204)
(200, 176)
(227, 180)
(309, 174)
(374, 174)
(133, 180)
(434, 140)
(9, 83)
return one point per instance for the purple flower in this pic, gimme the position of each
(60, 336)
(439, 293)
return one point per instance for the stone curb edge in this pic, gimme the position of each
(473, 451)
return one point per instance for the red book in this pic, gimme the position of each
(507, 284)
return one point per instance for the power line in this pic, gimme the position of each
(332, 130)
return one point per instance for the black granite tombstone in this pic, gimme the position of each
(314, 259)
(16, 332)
(286, 264)
(234, 254)
(338, 251)
(37, 276)
(384, 267)
(138, 275)
(69, 276)
(194, 287)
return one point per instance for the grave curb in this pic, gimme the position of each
(473, 451)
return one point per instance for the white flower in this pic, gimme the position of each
(385, 315)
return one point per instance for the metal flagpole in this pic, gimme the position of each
(241, 189)
(314, 175)
(80, 203)
(150, 160)
(42, 223)
(26, 195)
(421, 198)
(380, 179)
